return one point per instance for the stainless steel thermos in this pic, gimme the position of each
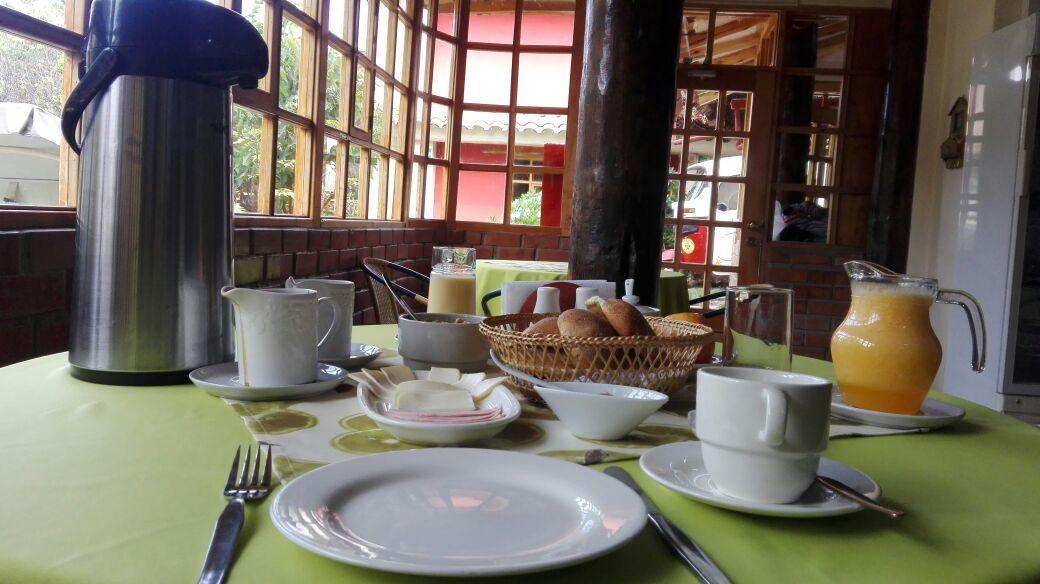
(153, 239)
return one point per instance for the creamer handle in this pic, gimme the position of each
(337, 319)
(976, 323)
(776, 417)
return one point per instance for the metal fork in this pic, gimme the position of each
(238, 490)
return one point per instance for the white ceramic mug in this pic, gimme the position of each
(342, 294)
(582, 295)
(762, 431)
(275, 330)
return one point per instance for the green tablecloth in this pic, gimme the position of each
(108, 484)
(672, 295)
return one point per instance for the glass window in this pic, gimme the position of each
(246, 136)
(443, 68)
(816, 41)
(544, 79)
(51, 11)
(394, 182)
(492, 22)
(397, 121)
(547, 22)
(485, 137)
(329, 179)
(737, 113)
(402, 53)
(424, 63)
(693, 44)
(440, 127)
(540, 139)
(376, 184)
(415, 191)
(380, 125)
(352, 197)
(340, 23)
(383, 39)
(364, 32)
(362, 98)
(811, 101)
(419, 127)
(744, 38)
(488, 77)
(481, 196)
(255, 12)
(290, 193)
(337, 86)
(290, 72)
(700, 155)
(436, 192)
(446, 16)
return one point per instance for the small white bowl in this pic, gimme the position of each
(439, 433)
(600, 411)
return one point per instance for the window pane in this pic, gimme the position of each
(485, 137)
(693, 44)
(729, 201)
(744, 38)
(290, 67)
(380, 127)
(807, 159)
(424, 63)
(339, 18)
(254, 11)
(492, 22)
(675, 154)
(816, 41)
(692, 246)
(376, 184)
(329, 179)
(525, 206)
(352, 196)
(704, 109)
(290, 194)
(362, 97)
(547, 22)
(436, 186)
(679, 111)
(427, 11)
(733, 159)
(725, 250)
(488, 77)
(415, 190)
(419, 127)
(383, 45)
(393, 187)
(440, 125)
(671, 199)
(335, 88)
(446, 16)
(544, 79)
(443, 68)
(397, 121)
(402, 63)
(694, 285)
(481, 196)
(811, 101)
(246, 133)
(52, 11)
(364, 33)
(668, 245)
(719, 282)
(800, 217)
(737, 114)
(697, 199)
(700, 156)
(540, 139)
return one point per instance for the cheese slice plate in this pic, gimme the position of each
(441, 433)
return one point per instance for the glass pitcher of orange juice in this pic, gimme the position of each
(453, 281)
(885, 352)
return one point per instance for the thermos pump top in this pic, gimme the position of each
(153, 232)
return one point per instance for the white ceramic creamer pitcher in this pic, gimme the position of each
(275, 333)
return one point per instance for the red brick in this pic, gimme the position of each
(391, 253)
(362, 253)
(267, 240)
(31, 294)
(814, 322)
(306, 263)
(565, 243)
(52, 333)
(379, 251)
(368, 316)
(777, 255)
(328, 260)
(472, 238)
(503, 239)
(818, 292)
(362, 300)
(818, 340)
(10, 253)
(279, 266)
(427, 250)
(827, 307)
(426, 235)
(340, 239)
(552, 255)
(811, 352)
(812, 259)
(239, 241)
(398, 235)
(542, 241)
(485, 252)
(414, 250)
(798, 306)
(386, 236)
(372, 236)
(49, 249)
(16, 340)
(318, 239)
(347, 258)
(357, 237)
(775, 275)
(841, 293)
(294, 240)
(247, 270)
(514, 253)
(411, 236)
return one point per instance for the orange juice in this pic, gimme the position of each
(885, 352)
(452, 293)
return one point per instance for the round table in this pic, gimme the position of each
(119, 484)
(672, 294)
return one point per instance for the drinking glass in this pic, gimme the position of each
(757, 329)
(453, 281)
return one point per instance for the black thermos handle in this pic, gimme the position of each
(102, 71)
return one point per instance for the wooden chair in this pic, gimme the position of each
(381, 273)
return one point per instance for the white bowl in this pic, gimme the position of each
(437, 340)
(440, 433)
(600, 411)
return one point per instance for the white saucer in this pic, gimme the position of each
(222, 381)
(933, 414)
(360, 354)
(679, 467)
(458, 512)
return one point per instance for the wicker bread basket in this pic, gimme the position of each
(661, 362)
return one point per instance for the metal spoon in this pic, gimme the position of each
(836, 486)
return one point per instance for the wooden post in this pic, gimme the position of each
(892, 199)
(624, 126)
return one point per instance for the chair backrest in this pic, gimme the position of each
(386, 308)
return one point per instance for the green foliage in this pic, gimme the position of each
(31, 71)
(671, 199)
(526, 209)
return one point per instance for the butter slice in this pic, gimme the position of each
(431, 396)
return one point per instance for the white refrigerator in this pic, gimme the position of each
(997, 251)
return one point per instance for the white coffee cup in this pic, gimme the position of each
(761, 431)
(275, 332)
(342, 294)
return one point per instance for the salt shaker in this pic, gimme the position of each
(629, 297)
(547, 301)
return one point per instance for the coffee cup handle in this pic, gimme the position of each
(776, 417)
(337, 317)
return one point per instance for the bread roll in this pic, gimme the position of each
(625, 318)
(592, 305)
(546, 326)
(582, 323)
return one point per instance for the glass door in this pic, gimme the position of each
(718, 172)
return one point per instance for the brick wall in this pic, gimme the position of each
(513, 246)
(821, 292)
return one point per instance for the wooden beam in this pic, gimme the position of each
(892, 198)
(620, 167)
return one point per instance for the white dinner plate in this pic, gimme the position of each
(933, 414)
(458, 512)
(222, 381)
(679, 467)
(360, 354)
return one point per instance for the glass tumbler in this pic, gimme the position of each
(453, 281)
(757, 329)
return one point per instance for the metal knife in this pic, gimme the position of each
(689, 552)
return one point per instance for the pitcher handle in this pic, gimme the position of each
(976, 323)
(337, 318)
